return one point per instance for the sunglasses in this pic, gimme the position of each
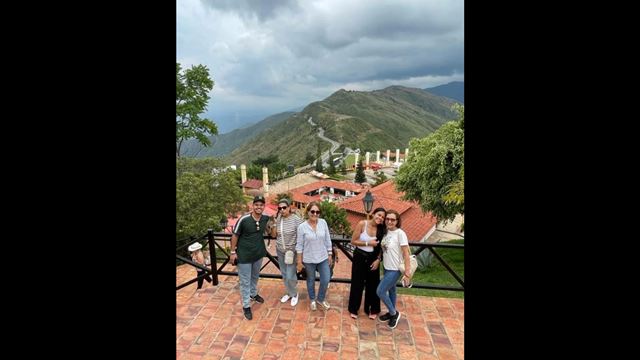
(281, 207)
(314, 212)
(258, 225)
(391, 219)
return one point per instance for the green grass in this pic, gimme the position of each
(435, 273)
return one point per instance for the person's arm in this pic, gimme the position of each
(355, 238)
(299, 246)
(200, 258)
(234, 243)
(327, 241)
(404, 246)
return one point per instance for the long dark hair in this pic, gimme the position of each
(381, 230)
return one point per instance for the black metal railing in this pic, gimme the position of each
(342, 243)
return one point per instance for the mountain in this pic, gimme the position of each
(453, 90)
(368, 120)
(225, 143)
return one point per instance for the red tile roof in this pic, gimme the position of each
(252, 184)
(298, 194)
(414, 222)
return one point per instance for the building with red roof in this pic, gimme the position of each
(415, 223)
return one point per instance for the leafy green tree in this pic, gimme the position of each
(434, 175)
(319, 167)
(381, 177)
(336, 218)
(308, 159)
(204, 193)
(360, 177)
(286, 195)
(332, 167)
(192, 94)
(266, 161)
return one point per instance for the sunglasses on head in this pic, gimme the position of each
(281, 207)
(314, 212)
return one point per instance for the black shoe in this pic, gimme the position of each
(257, 298)
(385, 317)
(247, 313)
(393, 322)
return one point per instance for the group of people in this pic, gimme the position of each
(306, 244)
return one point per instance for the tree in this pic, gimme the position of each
(381, 177)
(332, 167)
(280, 196)
(308, 159)
(319, 167)
(434, 175)
(266, 161)
(204, 193)
(360, 177)
(192, 94)
(336, 218)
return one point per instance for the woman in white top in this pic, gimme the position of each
(314, 249)
(395, 246)
(365, 271)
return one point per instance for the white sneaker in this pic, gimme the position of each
(284, 298)
(325, 304)
(313, 306)
(294, 300)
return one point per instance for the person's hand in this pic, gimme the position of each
(407, 274)
(232, 258)
(330, 260)
(373, 243)
(375, 264)
(299, 266)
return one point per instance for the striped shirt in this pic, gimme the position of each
(286, 228)
(313, 245)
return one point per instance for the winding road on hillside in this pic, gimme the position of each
(334, 144)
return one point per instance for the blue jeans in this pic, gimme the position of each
(387, 289)
(323, 269)
(288, 273)
(249, 274)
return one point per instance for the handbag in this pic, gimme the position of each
(288, 257)
(413, 264)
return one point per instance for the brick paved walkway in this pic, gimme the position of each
(210, 325)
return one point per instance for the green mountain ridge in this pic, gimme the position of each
(225, 143)
(368, 120)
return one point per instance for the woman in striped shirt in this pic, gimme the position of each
(286, 227)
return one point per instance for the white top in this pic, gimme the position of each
(364, 236)
(393, 253)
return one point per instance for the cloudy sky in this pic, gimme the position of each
(272, 56)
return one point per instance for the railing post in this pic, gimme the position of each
(212, 256)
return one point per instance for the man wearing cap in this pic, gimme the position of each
(247, 246)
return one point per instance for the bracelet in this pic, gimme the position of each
(233, 253)
(366, 243)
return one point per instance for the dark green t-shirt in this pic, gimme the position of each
(250, 240)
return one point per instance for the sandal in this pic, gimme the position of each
(373, 316)
(353, 316)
